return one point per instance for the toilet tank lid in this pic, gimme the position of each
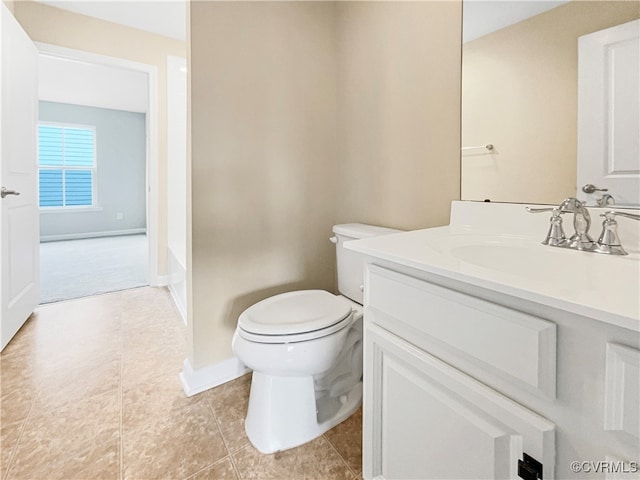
(360, 230)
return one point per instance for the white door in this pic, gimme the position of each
(609, 113)
(19, 230)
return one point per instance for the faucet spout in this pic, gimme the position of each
(581, 223)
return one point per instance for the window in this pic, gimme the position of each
(66, 165)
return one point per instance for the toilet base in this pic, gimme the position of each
(283, 412)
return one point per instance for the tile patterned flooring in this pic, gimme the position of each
(90, 390)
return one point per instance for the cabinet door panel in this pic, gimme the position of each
(622, 389)
(423, 424)
(520, 345)
(425, 419)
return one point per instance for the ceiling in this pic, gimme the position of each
(168, 17)
(481, 17)
(163, 17)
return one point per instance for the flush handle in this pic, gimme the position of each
(333, 239)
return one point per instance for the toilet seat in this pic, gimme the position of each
(295, 317)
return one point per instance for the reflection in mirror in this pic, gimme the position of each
(520, 94)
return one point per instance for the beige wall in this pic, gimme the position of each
(264, 162)
(399, 112)
(520, 93)
(10, 4)
(303, 115)
(59, 27)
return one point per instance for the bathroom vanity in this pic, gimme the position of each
(490, 355)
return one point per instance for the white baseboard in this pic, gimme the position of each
(77, 236)
(196, 381)
(159, 281)
(177, 283)
(177, 300)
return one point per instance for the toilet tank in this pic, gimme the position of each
(350, 264)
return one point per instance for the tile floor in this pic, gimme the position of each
(90, 390)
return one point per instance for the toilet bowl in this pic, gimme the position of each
(305, 350)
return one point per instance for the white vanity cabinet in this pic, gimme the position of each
(461, 383)
(427, 419)
(481, 346)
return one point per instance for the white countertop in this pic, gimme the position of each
(603, 287)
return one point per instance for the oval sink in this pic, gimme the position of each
(563, 268)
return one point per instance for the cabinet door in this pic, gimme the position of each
(423, 419)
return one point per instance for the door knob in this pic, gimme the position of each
(590, 188)
(4, 192)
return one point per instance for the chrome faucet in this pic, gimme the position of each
(581, 239)
(605, 200)
(607, 243)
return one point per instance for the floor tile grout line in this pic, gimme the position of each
(121, 388)
(339, 454)
(233, 462)
(215, 419)
(224, 440)
(193, 475)
(242, 447)
(14, 452)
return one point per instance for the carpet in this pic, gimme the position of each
(79, 268)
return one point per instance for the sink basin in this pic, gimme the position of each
(517, 260)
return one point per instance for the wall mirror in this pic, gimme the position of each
(547, 88)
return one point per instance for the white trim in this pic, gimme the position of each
(182, 310)
(152, 180)
(196, 381)
(177, 283)
(76, 236)
(74, 209)
(154, 279)
(89, 57)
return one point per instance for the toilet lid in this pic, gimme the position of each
(294, 313)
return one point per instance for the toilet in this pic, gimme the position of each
(305, 350)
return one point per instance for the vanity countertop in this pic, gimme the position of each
(515, 263)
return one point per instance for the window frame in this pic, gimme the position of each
(94, 170)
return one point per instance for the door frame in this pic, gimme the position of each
(151, 121)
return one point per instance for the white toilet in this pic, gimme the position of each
(305, 350)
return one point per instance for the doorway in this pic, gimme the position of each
(107, 243)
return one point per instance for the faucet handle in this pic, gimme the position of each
(555, 235)
(611, 214)
(609, 242)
